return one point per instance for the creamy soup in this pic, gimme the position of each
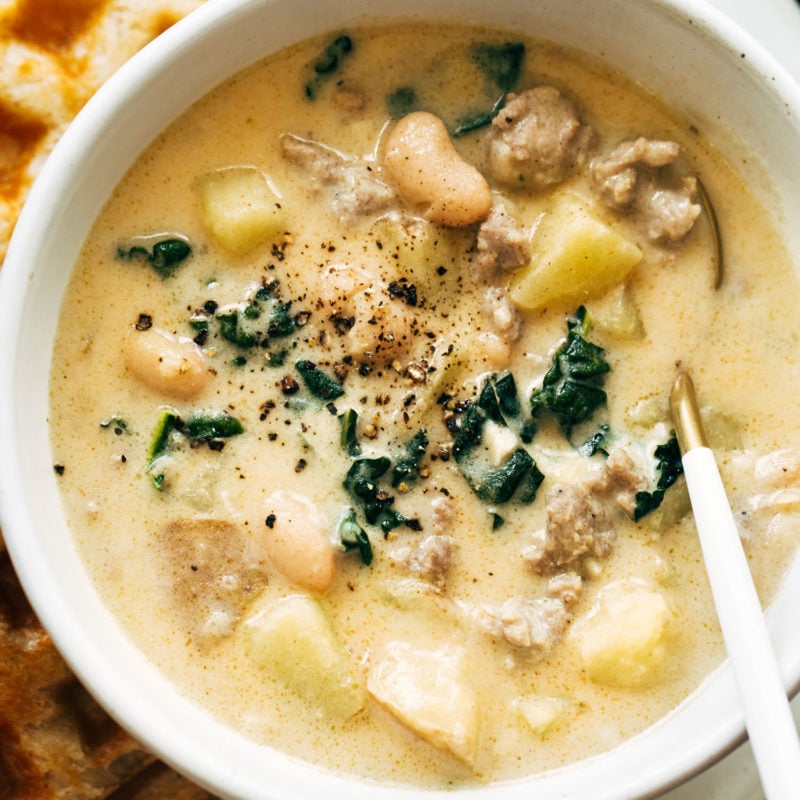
(359, 402)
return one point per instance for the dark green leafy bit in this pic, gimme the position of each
(231, 328)
(670, 468)
(354, 537)
(479, 120)
(571, 389)
(402, 101)
(596, 442)
(281, 323)
(502, 65)
(167, 423)
(277, 358)
(406, 469)
(499, 398)
(117, 424)
(361, 483)
(328, 63)
(256, 321)
(317, 382)
(497, 520)
(202, 427)
(164, 258)
(519, 477)
(348, 440)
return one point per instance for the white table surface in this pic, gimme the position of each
(776, 25)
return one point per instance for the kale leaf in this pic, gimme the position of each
(502, 65)
(164, 257)
(317, 382)
(670, 468)
(572, 387)
(354, 537)
(519, 476)
(328, 63)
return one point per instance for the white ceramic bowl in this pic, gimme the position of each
(683, 50)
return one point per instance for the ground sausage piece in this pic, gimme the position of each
(355, 190)
(617, 175)
(536, 139)
(535, 624)
(630, 179)
(669, 214)
(580, 516)
(430, 559)
(578, 525)
(566, 587)
(502, 313)
(622, 479)
(502, 245)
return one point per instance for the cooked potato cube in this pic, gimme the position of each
(617, 315)
(542, 713)
(622, 641)
(293, 639)
(576, 257)
(240, 208)
(430, 692)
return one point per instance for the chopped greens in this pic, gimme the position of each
(670, 468)
(571, 389)
(203, 426)
(406, 469)
(231, 329)
(328, 63)
(317, 382)
(117, 424)
(596, 442)
(206, 427)
(164, 257)
(353, 537)
(281, 323)
(361, 482)
(501, 64)
(402, 101)
(518, 476)
(242, 324)
(348, 440)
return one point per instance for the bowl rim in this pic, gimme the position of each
(48, 198)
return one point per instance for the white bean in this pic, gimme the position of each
(297, 541)
(169, 365)
(424, 167)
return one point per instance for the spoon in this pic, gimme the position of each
(767, 714)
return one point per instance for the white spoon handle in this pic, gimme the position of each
(771, 728)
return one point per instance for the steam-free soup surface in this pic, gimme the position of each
(359, 403)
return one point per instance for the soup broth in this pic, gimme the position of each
(359, 402)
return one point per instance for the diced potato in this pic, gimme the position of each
(576, 257)
(622, 641)
(240, 208)
(617, 315)
(542, 713)
(429, 691)
(723, 431)
(292, 639)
